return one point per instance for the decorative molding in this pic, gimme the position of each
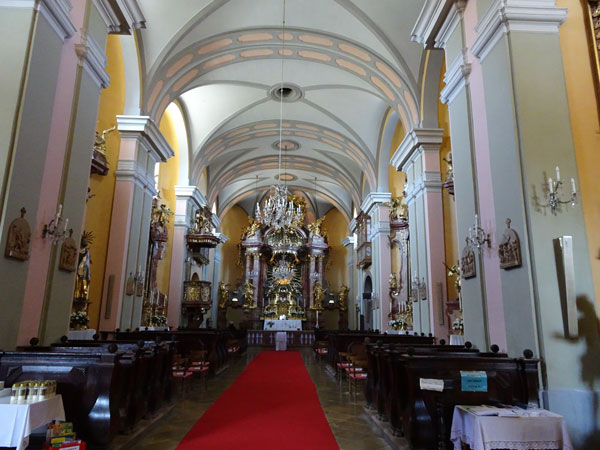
(504, 16)
(450, 23)
(456, 77)
(349, 241)
(428, 181)
(93, 60)
(416, 140)
(192, 193)
(430, 21)
(378, 229)
(128, 170)
(144, 126)
(216, 222)
(222, 238)
(17, 4)
(352, 225)
(373, 198)
(56, 12)
(120, 16)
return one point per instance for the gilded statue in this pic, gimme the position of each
(202, 222)
(454, 272)
(100, 140)
(223, 294)
(251, 229)
(343, 297)
(248, 294)
(315, 227)
(83, 275)
(398, 210)
(319, 293)
(450, 169)
(394, 285)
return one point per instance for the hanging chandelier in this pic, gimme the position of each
(278, 210)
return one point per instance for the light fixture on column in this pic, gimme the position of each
(477, 236)
(554, 187)
(55, 228)
(279, 212)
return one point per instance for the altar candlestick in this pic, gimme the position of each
(550, 185)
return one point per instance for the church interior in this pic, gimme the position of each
(300, 224)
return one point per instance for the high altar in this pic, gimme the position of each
(282, 267)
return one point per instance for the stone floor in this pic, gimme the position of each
(351, 428)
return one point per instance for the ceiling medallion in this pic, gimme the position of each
(286, 177)
(286, 145)
(286, 92)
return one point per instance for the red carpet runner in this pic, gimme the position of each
(273, 404)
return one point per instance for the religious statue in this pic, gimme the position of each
(202, 222)
(82, 280)
(159, 221)
(251, 229)
(450, 170)
(319, 293)
(454, 272)
(248, 294)
(394, 286)
(100, 140)
(315, 227)
(398, 210)
(19, 238)
(223, 294)
(343, 297)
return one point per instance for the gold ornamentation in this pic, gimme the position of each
(82, 281)
(248, 294)
(202, 222)
(100, 140)
(394, 285)
(343, 297)
(398, 209)
(18, 239)
(223, 294)
(315, 227)
(319, 295)
(251, 229)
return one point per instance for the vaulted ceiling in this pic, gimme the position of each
(346, 64)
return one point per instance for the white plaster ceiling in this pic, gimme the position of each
(352, 60)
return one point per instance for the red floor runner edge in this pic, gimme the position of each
(273, 404)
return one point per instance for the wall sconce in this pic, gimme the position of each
(477, 236)
(314, 276)
(418, 289)
(554, 187)
(55, 229)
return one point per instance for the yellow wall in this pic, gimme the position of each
(579, 65)
(233, 222)
(99, 208)
(450, 232)
(337, 230)
(167, 179)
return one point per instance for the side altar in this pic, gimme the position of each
(284, 267)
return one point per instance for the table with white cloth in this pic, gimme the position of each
(81, 335)
(281, 341)
(282, 325)
(18, 421)
(541, 430)
(457, 339)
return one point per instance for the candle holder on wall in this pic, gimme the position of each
(57, 228)
(477, 236)
(554, 188)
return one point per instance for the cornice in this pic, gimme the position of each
(373, 198)
(192, 193)
(144, 126)
(352, 225)
(93, 60)
(222, 238)
(417, 139)
(56, 12)
(435, 23)
(503, 16)
(349, 241)
(216, 222)
(120, 16)
(456, 77)
(450, 23)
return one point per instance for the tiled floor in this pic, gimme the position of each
(350, 427)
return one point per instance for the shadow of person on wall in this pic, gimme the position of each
(589, 331)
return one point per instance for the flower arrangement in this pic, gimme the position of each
(397, 324)
(458, 325)
(79, 319)
(158, 320)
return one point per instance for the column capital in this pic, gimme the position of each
(349, 241)
(416, 141)
(456, 77)
(93, 60)
(504, 16)
(121, 16)
(436, 22)
(143, 127)
(373, 199)
(191, 193)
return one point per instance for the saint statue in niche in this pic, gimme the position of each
(82, 281)
(343, 297)
(18, 239)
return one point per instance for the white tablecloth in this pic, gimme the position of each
(281, 341)
(457, 339)
(81, 335)
(515, 433)
(18, 421)
(281, 325)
